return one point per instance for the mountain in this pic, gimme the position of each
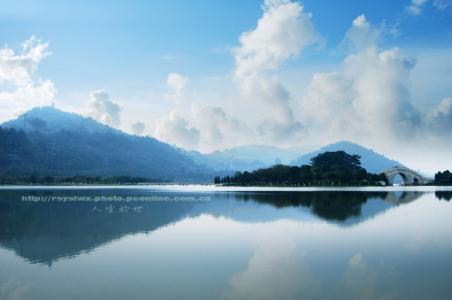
(370, 160)
(219, 162)
(48, 119)
(248, 158)
(46, 141)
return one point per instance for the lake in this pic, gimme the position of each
(205, 242)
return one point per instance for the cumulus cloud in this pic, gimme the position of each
(272, 103)
(441, 119)
(138, 128)
(103, 109)
(20, 87)
(362, 34)
(19, 67)
(217, 129)
(175, 129)
(176, 82)
(282, 32)
(203, 127)
(367, 98)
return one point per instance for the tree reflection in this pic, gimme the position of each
(43, 232)
(443, 195)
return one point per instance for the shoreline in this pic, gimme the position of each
(191, 187)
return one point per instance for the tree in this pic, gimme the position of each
(443, 178)
(329, 168)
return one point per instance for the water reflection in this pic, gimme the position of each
(238, 245)
(43, 232)
(443, 195)
(335, 205)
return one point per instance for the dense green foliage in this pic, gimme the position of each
(329, 168)
(370, 160)
(33, 179)
(443, 178)
(90, 153)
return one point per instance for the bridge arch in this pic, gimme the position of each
(410, 177)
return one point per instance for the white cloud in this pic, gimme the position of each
(20, 88)
(103, 109)
(217, 129)
(272, 104)
(282, 32)
(362, 34)
(203, 127)
(441, 119)
(175, 129)
(366, 100)
(369, 99)
(416, 6)
(19, 67)
(138, 128)
(176, 82)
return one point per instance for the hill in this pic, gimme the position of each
(373, 162)
(47, 141)
(248, 158)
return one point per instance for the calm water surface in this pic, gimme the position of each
(207, 243)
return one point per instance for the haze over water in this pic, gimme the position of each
(225, 245)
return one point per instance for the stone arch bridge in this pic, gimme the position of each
(410, 177)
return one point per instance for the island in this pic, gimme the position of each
(336, 168)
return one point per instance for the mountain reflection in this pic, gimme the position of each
(43, 232)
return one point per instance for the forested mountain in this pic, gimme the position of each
(373, 162)
(48, 142)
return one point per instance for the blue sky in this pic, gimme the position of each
(122, 41)
(122, 54)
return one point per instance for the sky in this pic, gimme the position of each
(210, 75)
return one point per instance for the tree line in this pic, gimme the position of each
(110, 153)
(443, 178)
(326, 169)
(47, 180)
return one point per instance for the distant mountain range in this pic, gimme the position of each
(47, 141)
(370, 160)
(248, 158)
